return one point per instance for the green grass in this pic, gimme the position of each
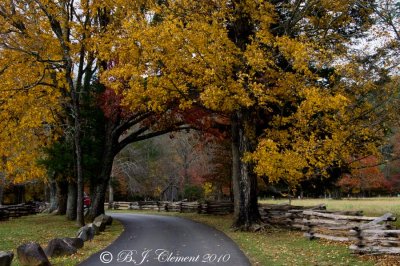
(285, 247)
(42, 228)
(281, 247)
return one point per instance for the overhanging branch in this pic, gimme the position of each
(135, 137)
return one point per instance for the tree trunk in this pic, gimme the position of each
(80, 219)
(98, 202)
(19, 192)
(72, 200)
(75, 108)
(244, 180)
(101, 189)
(2, 185)
(110, 192)
(186, 178)
(53, 196)
(62, 196)
(103, 179)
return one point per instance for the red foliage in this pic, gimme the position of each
(110, 104)
(366, 178)
(394, 183)
(211, 124)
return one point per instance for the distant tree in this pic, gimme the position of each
(366, 179)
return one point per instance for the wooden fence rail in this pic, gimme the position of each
(376, 238)
(15, 211)
(208, 207)
(285, 215)
(339, 227)
(372, 235)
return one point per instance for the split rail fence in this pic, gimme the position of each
(208, 207)
(15, 211)
(366, 235)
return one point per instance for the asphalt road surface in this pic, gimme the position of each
(163, 240)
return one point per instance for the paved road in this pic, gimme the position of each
(163, 240)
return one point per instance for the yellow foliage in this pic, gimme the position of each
(208, 189)
(184, 53)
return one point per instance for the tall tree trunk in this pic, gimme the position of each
(72, 200)
(76, 114)
(110, 191)
(244, 180)
(62, 196)
(80, 219)
(101, 189)
(20, 194)
(103, 179)
(98, 202)
(2, 185)
(186, 178)
(53, 196)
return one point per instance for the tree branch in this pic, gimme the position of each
(135, 138)
(136, 119)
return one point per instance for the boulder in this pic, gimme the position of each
(102, 221)
(100, 225)
(6, 258)
(58, 247)
(95, 228)
(32, 254)
(86, 233)
(75, 242)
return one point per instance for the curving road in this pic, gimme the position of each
(163, 240)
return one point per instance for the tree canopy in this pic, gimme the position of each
(317, 103)
(300, 97)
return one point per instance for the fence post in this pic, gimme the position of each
(359, 242)
(309, 228)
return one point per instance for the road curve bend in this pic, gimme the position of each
(153, 240)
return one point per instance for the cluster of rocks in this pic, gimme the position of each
(32, 254)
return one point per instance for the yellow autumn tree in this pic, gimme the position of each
(299, 105)
(26, 114)
(61, 48)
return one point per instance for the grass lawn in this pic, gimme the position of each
(284, 247)
(43, 227)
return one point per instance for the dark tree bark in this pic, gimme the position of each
(2, 184)
(109, 152)
(76, 113)
(53, 196)
(80, 220)
(244, 180)
(97, 207)
(110, 191)
(19, 191)
(62, 196)
(72, 200)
